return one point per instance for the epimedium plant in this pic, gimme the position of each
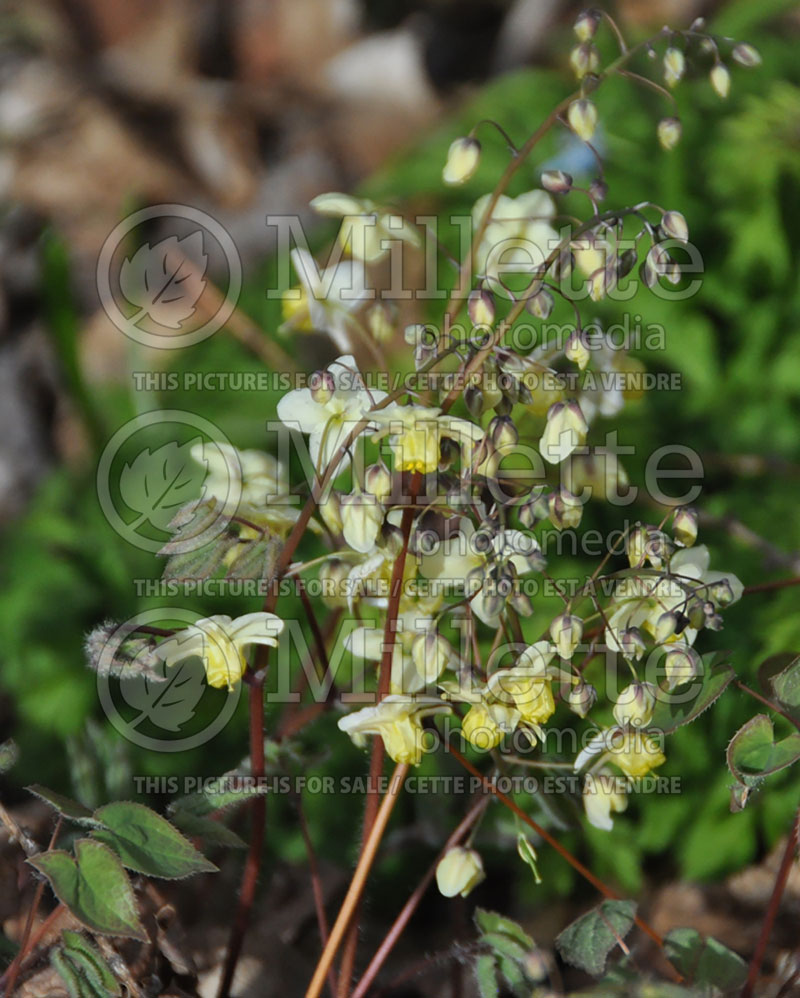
(429, 503)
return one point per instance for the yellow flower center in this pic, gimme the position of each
(294, 306)
(417, 448)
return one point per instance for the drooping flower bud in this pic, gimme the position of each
(666, 626)
(721, 593)
(459, 871)
(481, 307)
(632, 643)
(720, 80)
(681, 663)
(669, 132)
(431, 653)
(584, 59)
(586, 25)
(684, 526)
(746, 55)
(362, 518)
(378, 480)
(503, 433)
(463, 157)
(540, 304)
(322, 386)
(564, 430)
(636, 546)
(576, 350)
(581, 698)
(674, 66)
(673, 225)
(582, 118)
(598, 189)
(635, 705)
(556, 181)
(564, 509)
(566, 631)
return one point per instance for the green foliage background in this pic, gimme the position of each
(736, 178)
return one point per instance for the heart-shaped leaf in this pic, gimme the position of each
(753, 752)
(64, 805)
(587, 942)
(705, 961)
(148, 843)
(673, 710)
(94, 886)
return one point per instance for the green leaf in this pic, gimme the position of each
(490, 922)
(94, 887)
(786, 686)
(705, 961)
(505, 946)
(587, 942)
(486, 976)
(224, 792)
(753, 752)
(64, 805)
(673, 710)
(212, 832)
(148, 843)
(90, 964)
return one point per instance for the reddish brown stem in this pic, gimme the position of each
(316, 888)
(384, 686)
(408, 909)
(573, 861)
(258, 823)
(772, 909)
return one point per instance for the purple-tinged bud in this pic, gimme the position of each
(556, 181)
(322, 386)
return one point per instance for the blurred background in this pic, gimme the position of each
(249, 107)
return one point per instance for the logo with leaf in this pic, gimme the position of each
(158, 483)
(165, 280)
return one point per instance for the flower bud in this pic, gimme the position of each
(586, 25)
(746, 55)
(475, 401)
(598, 190)
(533, 511)
(674, 66)
(582, 118)
(459, 871)
(540, 304)
(564, 510)
(322, 386)
(481, 307)
(564, 430)
(556, 181)
(581, 699)
(636, 546)
(681, 663)
(503, 433)
(331, 513)
(695, 612)
(721, 593)
(576, 350)
(431, 654)
(566, 632)
(362, 518)
(673, 225)
(632, 643)
(463, 157)
(378, 480)
(666, 626)
(684, 526)
(635, 705)
(584, 59)
(669, 132)
(720, 80)
(333, 576)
